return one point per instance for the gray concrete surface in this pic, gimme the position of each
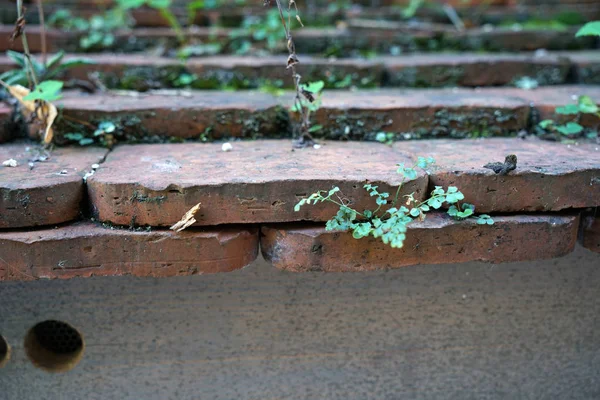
(469, 331)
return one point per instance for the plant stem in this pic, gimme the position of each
(42, 30)
(26, 47)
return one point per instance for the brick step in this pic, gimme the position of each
(86, 249)
(341, 42)
(261, 181)
(234, 16)
(207, 115)
(141, 73)
(48, 191)
(437, 240)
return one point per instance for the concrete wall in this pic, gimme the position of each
(469, 331)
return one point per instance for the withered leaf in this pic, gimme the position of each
(187, 220)
(292, 60)
(45, 112)
(309, 96)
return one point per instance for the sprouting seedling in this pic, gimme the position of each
(389, 220)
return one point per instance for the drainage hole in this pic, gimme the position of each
(4, 351)
(54, 346)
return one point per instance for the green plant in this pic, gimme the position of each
(385, 137)
(54, 67)
(262, 29)
(309, 103)
(163, 7)
(98, 32)
(390, 224)
(585, 105)
(589, 29)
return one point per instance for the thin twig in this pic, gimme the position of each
(31, 72)
(42, 30)
(305, 138)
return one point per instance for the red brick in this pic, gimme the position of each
(591, 233)
(437, 240)
(343, 114)
(472, 69)
(218, 113)
(86, 249)
(318, 40)
(549, 176)
(5, 116)
(254, 183)
(51, 192)
(420, 70)
(425, 112)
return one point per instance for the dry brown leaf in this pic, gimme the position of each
(187, 220)
(46, 113)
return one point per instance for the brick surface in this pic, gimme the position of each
(142, 72)
(254, 183)
(319, 40)
(437, 240)
(591, 233)
(85, 249)
(433, 70)
(143, 116)
(549, 176)
(51, 192)
(343, 114)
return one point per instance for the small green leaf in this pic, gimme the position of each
(362, 230)
(569, 109)
(127, 4)
(587, 105)
(415, 212)
(545, 124)
(86, 141)
(434, 203)
(438, 190)
(315, 128)
(409, 173)
(380, 201)
(47, 91)
(589, 29)
(453, 211)
(570, 128)
(314, 87)
(424, 207)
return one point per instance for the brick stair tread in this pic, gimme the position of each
(50, 192)
(549, 176)
(316, 40)
(437, 240)
(85, 249)
(258, 181)
(261, 181)
(433, 70)
(343, 114)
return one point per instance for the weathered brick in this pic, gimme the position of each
(549, 176)
(591, 233)
(343, 114)
(431, 112)
(142, 72)
(434, 70)
(216, 114)
(85, 249)
(320, 40)
(254, 183)
(437, 240)
(50, 192)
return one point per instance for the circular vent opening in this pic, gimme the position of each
(4, 351)
(54, 346)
